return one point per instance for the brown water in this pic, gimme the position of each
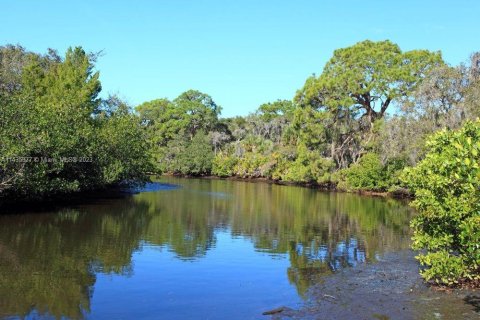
(190, 249)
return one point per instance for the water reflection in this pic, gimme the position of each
(49, 262)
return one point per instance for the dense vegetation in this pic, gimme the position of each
(355, 126)
(447, 187)
(57, 136)
(361, 124)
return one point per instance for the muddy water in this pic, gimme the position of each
(213, 249)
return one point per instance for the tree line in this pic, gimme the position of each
(355, 126)
(377, 118)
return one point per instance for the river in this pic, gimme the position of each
(191, 249)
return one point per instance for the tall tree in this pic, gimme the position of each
(199, 110)
(366, 78)
(173, 126)
(357, 87)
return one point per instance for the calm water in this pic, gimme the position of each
(202, 249)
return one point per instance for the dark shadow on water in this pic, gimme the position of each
(474, 301)
(56, 202)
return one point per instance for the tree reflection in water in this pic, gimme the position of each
(49, 261)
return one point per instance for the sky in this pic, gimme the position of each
(242, 53)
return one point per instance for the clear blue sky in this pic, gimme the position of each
(242, 53)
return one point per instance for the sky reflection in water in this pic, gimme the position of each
(189, 249)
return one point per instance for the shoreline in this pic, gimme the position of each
(327, 187)
(389, 288)
(51, 201)
(19, 205)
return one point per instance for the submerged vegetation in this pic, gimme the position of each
(360, 125)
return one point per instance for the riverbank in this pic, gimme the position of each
(390, 288)
(80, 197)
(62, 199)
(398, 194)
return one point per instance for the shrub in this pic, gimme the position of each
(309, 166)
(447, 189)
(224, 165)
(69, 139)
(253, 165)
(367, 174)
(197, 157)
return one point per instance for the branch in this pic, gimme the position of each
(385, 105)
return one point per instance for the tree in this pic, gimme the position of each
(271, 119)
(445, 98)
(199, 111)
(472, 99)
(123, 153)
(279, 108)
(367, 78)
(356, 88)
(173, 126)
(57, 136)
(12, 62)
(197, 157)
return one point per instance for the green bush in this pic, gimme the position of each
(367, 174)
(197, 157)
(309, 166)
(224, 165)
(58, 137)
(253, 165)
(447, 189)
(393, 170)
(370, 174)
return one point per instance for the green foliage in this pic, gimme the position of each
(367, 76)
(124, 155)
(224, 165)
(447, 189)
(334, 119)
(367, 174)
(279, 108)
(68, 139)
(197, 157)
(356, 88)
(179, 132)
(199, 111)
(253, 165)
(308, 167)
(393, 170)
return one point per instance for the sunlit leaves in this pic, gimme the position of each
(447, 189)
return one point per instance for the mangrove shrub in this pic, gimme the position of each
(447, 190)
